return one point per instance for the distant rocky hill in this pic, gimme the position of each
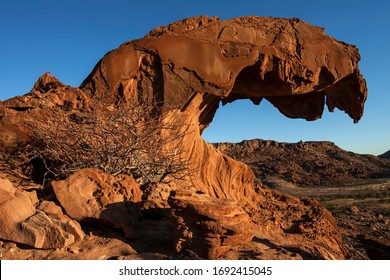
(385, 155)
(306, 164)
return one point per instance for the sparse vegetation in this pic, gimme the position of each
(132, 138)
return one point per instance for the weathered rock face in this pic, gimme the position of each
(299, 225)
(55, 213)
(207, 227)
(21, 222)
(93, 194)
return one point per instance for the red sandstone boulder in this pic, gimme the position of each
(93, 194)
(54, 211)
(20, 222)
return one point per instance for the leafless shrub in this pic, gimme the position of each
(117, 138)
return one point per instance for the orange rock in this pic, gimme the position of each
(93, 194)
(207, 226)
(20, 222)
(56, 214)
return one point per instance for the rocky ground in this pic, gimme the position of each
(359, 204)
(355, 187)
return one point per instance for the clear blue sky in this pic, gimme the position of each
(68, 37)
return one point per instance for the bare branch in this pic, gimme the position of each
(122, 138)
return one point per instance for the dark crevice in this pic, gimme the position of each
(326, 78)
(20, 109)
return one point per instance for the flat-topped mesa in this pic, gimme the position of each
(195, 63)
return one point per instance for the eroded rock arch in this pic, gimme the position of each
(196, 63)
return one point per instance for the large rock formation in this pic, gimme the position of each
(192, 65)
(188, 68)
